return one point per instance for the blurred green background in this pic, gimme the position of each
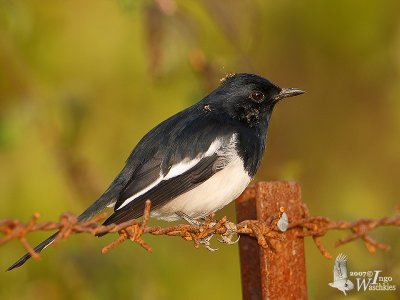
(82, 81)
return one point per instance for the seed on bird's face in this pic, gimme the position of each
(207, 107)
(257, 96)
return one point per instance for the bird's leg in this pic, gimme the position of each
(191, 220)
(206, 240)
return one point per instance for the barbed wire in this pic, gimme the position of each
(308, 226)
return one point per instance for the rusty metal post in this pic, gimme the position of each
(278, 272)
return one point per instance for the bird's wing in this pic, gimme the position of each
(166, 190)
(174, 161)
(340, 267)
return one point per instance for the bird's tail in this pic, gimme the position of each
(37, 249)
(108, 198)
(94, 209)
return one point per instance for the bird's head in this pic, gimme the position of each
(348, 285)
(248, 97)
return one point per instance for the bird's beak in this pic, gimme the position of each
(287, 92)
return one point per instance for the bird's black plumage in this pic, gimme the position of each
(226, 129)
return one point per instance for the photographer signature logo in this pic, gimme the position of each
(340, 279)
(372, 280)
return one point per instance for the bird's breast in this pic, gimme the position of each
(210, 196)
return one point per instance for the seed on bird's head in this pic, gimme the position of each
(227, 76)
(207, 107)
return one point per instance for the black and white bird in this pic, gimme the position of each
(198, 160)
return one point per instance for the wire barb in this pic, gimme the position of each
(263, 230)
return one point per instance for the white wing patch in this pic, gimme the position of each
(147, 188)
(179, 168)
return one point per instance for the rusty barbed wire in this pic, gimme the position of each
(263, 231)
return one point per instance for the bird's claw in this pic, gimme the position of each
(227, 237)
(206, 242)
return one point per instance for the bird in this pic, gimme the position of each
(340, 279)
(195, 162)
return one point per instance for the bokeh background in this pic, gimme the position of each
(82, 81)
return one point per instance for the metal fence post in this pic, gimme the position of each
(278, 272)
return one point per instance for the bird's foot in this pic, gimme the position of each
(227, 237)
(201, 223)
(206, 242)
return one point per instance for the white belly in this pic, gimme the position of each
(212, 195)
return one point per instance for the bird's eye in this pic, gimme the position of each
(257, 96)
